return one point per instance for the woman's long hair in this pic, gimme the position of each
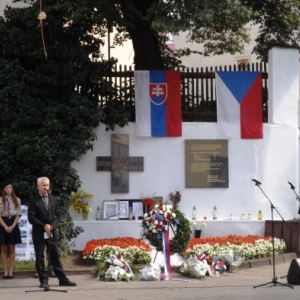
(13, 197)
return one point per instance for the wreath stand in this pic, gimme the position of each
(157, 250)
(170, 225)
(162, 244)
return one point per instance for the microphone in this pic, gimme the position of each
(46, 190)
(256, 181)
(292, 187)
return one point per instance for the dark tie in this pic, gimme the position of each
(8, 208)
(45, 199)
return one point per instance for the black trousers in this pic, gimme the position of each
(39, 249)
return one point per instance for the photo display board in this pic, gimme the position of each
(25, 250)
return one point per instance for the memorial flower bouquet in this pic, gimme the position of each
(175, 197)
(160, 218)
(80, 201)
(157, 219)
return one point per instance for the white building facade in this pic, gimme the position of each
(273, 160)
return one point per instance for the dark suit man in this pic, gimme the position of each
(43, 214)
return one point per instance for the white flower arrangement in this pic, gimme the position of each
(132, 254)
(261, 248)
(194, 224)
(203, 225)
(156, 220)
(159, 219)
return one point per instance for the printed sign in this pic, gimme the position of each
(25, 250)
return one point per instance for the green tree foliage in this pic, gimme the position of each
(49, 107)
(279, 24)
(222, 26)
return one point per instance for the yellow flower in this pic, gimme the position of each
(77, 209)
(80, 201)
(85, 207)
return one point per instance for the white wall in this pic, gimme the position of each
(272, 160)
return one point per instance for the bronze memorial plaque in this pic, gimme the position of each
(206, 164)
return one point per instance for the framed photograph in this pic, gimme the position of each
(158, 200)
(123, 209)
(138, 208)
(110, 210)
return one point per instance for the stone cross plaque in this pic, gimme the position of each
(120, 163)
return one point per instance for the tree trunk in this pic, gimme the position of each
(147, 53)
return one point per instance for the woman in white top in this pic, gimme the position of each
(10, 212)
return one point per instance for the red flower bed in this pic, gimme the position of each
(222, 240)
(122, 242)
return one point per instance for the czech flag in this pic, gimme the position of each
(239, 105)
(158, 103)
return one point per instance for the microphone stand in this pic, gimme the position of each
(274, 280)
(297, 196)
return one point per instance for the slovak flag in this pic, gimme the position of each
(158, 103)
(239, 105)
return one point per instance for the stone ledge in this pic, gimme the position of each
(262, 262)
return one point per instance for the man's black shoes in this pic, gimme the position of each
(66, 283)
(44, 285)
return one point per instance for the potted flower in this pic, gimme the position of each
(175, 197)
(80, 201)
(197, 232)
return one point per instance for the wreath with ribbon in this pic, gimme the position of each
(165, 217)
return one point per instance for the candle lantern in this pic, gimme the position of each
(194, 213)
(98, 213)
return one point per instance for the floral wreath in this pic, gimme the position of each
(161, 217)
